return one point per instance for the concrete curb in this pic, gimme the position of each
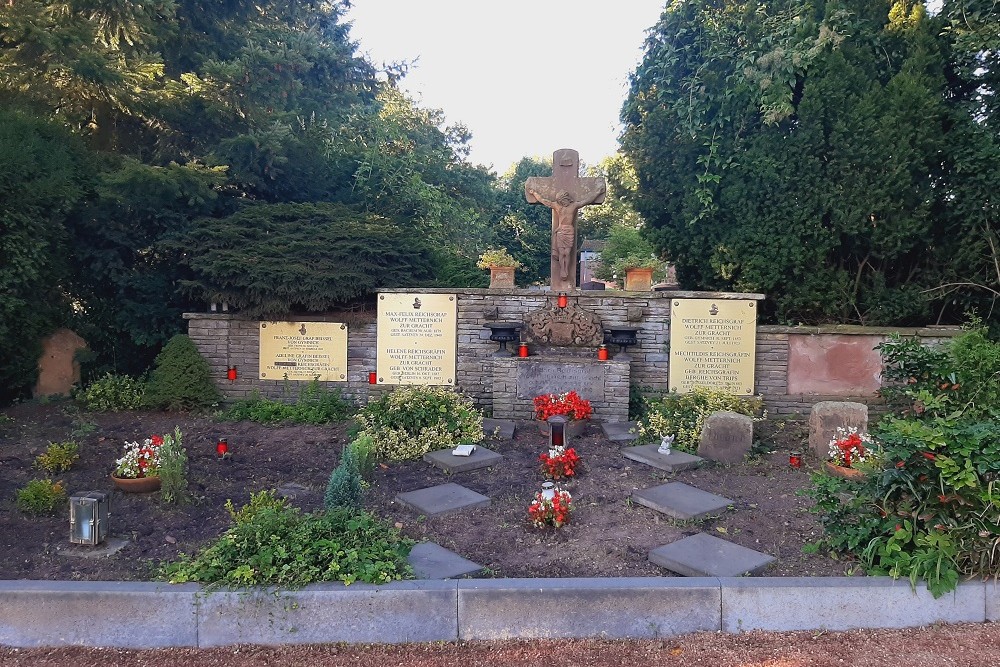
(150, 615)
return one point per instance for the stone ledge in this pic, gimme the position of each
(150, 615)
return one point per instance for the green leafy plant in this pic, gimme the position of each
(113, 393)
(273, 544)
(408, 422)
(363, 451)
(181, 378)
(315, 405)
(40, 496)
(497, 257)
(684, 415)
(58, 457)
(173, 468)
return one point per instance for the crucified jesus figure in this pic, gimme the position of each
(564, 210)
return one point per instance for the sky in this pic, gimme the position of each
(527, 77)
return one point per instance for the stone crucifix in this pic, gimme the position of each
(565, 192)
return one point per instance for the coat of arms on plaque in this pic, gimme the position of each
(570, 326)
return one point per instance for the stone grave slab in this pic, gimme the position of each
(444, 459)
(442, 499)
(681, 501)
(619, 431)
(726, 437)
(432, 561)
(826, 416)
(506, 427)
(675, 461)
(703, 555)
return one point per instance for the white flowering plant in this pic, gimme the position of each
(140, 460)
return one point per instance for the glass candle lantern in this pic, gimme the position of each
(522, 350)
(602, 353)
(562, 300)
(231, 373)
(557, 431)
(88, 517)
(372, 377)
(795, 460)
(222, 448)
(548, 490)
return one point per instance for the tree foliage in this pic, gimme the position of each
(795, 148)
(269, 260)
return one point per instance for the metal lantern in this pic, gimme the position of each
(88, 517)
(548, 490)
(557, 430)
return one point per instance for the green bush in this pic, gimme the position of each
(314, 405)
(272, 544)
(181, 378)
(684, 415)
(113, 393)
(344, 488)
(173, 468)
(363, 451)
(58, 457)
(41, 496)
(408, 422)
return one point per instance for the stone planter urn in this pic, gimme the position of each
(137, 484)
(638, 280)
(502, 277)
(574, 427)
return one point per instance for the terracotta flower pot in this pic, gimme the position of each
(138, 484)
(842, 472)
(502, 277)
(574, 427)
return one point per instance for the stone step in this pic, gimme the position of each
(703, 555)
(681, 501)
(505, 426)
(675, 461)
(444, 459)
(619, 431)
(432, 561)
(442, 499)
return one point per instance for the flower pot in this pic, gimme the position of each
(502, 277)
(138, 484)
(638, 280)
(842, 472)
(574, 427)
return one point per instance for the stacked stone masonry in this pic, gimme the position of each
(226, 340)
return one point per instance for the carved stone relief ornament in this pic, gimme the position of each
(570, 326)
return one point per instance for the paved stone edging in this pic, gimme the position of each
(150, 615)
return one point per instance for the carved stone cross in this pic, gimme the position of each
(565, 192)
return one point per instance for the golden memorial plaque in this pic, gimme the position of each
(713, 344)
(417, 336)
(303, 351)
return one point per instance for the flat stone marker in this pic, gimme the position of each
(675, 461)
(433, 561)
(826, 416)
(442, 499)
(702, 555)
(619, 431)
(506, 427)
(681, 501)
(444, 459)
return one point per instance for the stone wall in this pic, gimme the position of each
(795, 366)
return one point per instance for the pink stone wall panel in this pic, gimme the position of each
(833, 365)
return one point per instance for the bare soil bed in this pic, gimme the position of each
(609, 535)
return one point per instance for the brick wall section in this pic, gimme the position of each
(227, 340)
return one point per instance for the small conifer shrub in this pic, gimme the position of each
(181, 378)
(344, 488)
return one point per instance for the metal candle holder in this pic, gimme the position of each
(503, 333)
(622, 337)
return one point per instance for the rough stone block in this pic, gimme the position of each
(703, 555)
(432, 561)
(726, 437)
(618, 431)
(611, 607)
(505, 426)
(826, 416)
(836, 603)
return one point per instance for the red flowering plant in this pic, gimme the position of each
(559, 462)
(569, 404)
(140, 460)
(848, 447)
(554, 511)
